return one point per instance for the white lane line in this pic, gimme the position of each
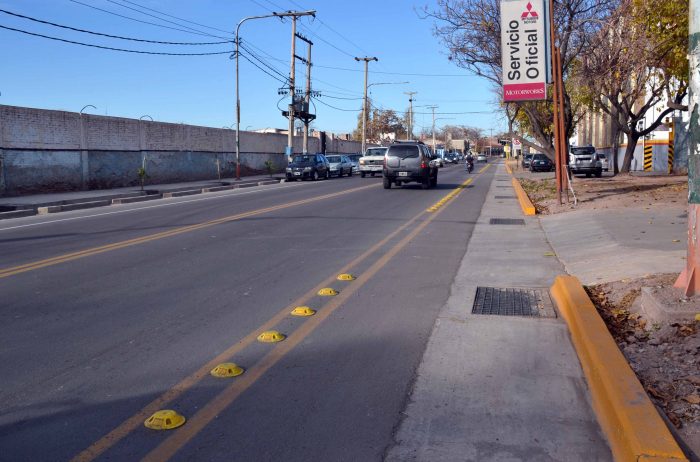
(219, 195)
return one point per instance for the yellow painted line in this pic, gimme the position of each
(185, 384)
(135, 421)
(436, 206)
(632, 426)
(173, 232)
(525, 203)
(211, 410)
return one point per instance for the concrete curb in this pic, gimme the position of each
(525, 202)
(633, 427)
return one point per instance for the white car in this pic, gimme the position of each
(481, 158)
(372, 162)
(339, 165)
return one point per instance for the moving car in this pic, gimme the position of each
(541, 163)
(526, 160)
(585, 160)
(308, 166)
(373, 161)
(481, 158)
(452, 158)
(409, 161)
(339, 165)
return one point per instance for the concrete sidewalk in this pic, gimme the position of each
(500, 388)
(592, 243)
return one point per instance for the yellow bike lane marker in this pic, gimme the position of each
(173, 232)
(252, 373)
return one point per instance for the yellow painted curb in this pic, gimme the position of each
(634, 429)
(525, 202)
(510, 172)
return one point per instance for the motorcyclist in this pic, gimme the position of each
(470, 162)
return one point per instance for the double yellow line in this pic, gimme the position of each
(225, 398)
(173, 232)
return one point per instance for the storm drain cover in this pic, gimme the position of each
(498, 179)
(504, 197)
(530, 302)
(506, 221)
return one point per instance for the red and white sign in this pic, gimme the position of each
(523, 48)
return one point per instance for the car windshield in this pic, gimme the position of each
(583, 151)
(333, 159)
(539, 157)
(304, 159)
(403, 152)
(375, 151)
(602, 156)
(528, 156)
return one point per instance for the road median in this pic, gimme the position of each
(633, 427)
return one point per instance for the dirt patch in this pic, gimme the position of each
(610, 192)
(665, 356)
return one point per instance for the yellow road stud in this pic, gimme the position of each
(327, 292)
(303, 311)
(227, 370)
(164, 420)
(346, 277)
(271, 336)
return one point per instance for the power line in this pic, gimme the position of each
(284, 82)
(161, 19)
(175, 17)
(115, 49)
(108, 35)
(323, 23)
(264, 63)
(143, 22)
(337, 108)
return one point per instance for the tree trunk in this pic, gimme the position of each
(615, 150)
(629, 153)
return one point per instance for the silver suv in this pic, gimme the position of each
(409, 161)
(585, 160)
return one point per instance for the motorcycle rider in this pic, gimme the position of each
(470, 162)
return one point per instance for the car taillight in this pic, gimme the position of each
(423, 165)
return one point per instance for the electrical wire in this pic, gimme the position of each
(337, 108)
(108, 35)
(263, 62)
(141, 21)
(283, 82)
(332, 29)
(115, 49)
(164, 20)
(175, 17)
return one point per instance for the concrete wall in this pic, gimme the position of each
(44, 151)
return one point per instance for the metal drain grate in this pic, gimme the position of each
(513, 302)
(506, 221)
(504, 197)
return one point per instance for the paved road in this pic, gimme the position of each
(111, 313)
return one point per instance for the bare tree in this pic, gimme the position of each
(629, 71)
(470, 29)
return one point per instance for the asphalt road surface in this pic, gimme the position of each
(109, 314)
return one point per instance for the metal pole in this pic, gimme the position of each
(689, 280)
(307, 98)
(292, 90)
(364, 112)
(409, 133)
(434, 145)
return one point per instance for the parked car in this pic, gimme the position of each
(308, 166)
(355, 159)
(373, 161)
(409, 161)
(585, 160)
(526, 160)
(481, 158)
(604, 161)
(541, 163)
(339, 165)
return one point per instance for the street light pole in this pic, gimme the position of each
(238, 98)
(434, 146)
(410, 113)
(366, 59)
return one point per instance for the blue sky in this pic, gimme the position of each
(200, 90)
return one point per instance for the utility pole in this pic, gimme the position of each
(434, 146)
(491, 142)
(292, 92)
(366, 59)
(307, 96)
(689, 280)
(410, 112)
(293, 14)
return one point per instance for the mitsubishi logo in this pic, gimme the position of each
(529, 12)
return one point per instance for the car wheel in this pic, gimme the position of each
(362, 174)
(598, 173)
(425, 184)
(387, 183)
(372, 173)
(588, 175)
(433, 182)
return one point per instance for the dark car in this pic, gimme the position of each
(541, 163)
(526, 160)
(409, 161)
(308, 166)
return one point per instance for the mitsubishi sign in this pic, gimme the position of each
(524, 50)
